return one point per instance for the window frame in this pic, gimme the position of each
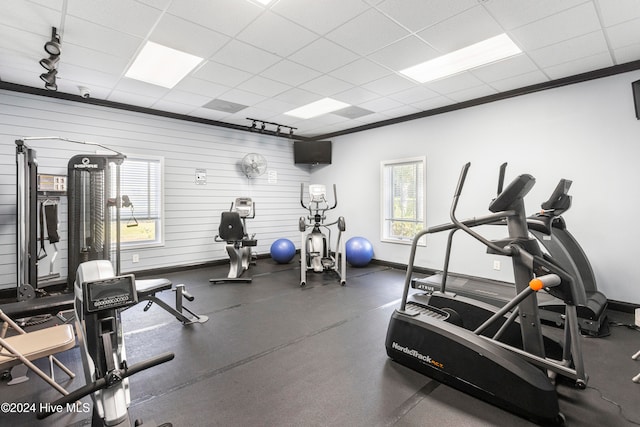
(386, 204)
(160, 221)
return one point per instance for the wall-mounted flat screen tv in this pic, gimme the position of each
(312, 152)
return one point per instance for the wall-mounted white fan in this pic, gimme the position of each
(253, 165)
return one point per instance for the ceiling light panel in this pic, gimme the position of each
(317, 108)
(478, 54)
(161, 65)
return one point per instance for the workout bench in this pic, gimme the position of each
(27, 346)
(148, 288)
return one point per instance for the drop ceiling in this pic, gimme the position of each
(266, 60)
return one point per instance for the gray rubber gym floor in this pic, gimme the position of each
(275, 354)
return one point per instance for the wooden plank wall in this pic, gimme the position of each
(192, 212)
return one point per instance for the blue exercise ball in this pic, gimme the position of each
(283, 251)
(359, 251)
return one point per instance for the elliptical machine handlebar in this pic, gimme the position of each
(111, 378)
(452, 214)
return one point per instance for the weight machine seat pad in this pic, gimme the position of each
(149, 287)
(38, 344)
(249, 242)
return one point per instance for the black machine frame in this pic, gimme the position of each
(549, 228)
(494, 354)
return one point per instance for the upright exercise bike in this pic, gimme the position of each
(471, 346)
(315, 250)
(100, 296)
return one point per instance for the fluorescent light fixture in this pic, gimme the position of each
(323, 106)
(264, 2)
(161, 65)
(476, 55)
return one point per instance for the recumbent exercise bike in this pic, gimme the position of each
(233, 230)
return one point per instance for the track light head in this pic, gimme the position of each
(52, 47)
(50, 62)
(50, 77)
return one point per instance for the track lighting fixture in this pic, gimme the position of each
(263, 127)
(52, 47)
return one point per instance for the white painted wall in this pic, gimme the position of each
(585, 132)
(192, 212)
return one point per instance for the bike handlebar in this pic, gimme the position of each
(105, 382)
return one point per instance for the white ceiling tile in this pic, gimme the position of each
(88, 78)
(367, 32)
(263, 86)
(360, 72)
(93, 36)
(414, 95)
(277, 107)
(188, 98)
(186, 36)
(297, 97)
(323, 55)
(93, 60)
(510, 67)
(615, 12)
(433, 103)
(276, 34)
(520, 81)
(355, 96)
(30, 18)
(512, 14)
(381, 104)
(567, 24)
(218, 73)
(404, 53)
(242, 97)
(627, 53)
(245, 57)
(326, 85)
(625, 34)
(140, 88)
(203, 87)
(23, 44)
(129, 98)
(472, 93)
(208, 113)
(392, 83)
(123, 15)
(419, 14)
(320, 16)
(455, 83)
(172, 107)
(469, 27)
(570, 50)
(578, 66)
(290, 73)
(226, 16)
(403, 110)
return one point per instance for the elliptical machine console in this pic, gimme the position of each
(315, 251)
(100, 296)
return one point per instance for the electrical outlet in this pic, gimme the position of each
(496, 265)
(135, 258)
(637, 316)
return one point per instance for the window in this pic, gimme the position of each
(141, 221)
(403, 199)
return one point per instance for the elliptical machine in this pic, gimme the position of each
(471, 346)
(100, 296)
(315, 250)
